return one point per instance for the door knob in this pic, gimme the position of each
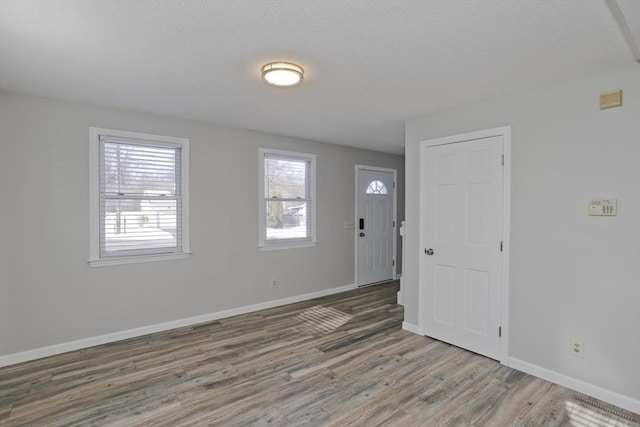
(428, 251)
(361, 234)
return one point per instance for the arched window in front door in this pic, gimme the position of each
(377, 187)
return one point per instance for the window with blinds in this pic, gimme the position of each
(141, 203)
(288, 211)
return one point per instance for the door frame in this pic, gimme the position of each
(505, 133)
(395, 219)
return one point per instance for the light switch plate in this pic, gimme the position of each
(603, 207)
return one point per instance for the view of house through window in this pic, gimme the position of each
(288, 208)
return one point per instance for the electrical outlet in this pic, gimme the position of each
(577, 348)
(273, 283)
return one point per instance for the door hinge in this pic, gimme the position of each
(394, 224)
(394, 184)
(503, 160)
(501, 246)
(393, 263)
(499, 331)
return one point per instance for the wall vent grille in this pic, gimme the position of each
(608, 408)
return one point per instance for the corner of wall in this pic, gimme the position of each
(4, 238)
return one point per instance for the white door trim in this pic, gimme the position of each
(395, 217)
(505, 132)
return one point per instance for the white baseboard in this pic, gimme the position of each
(410, 327)
(401, 292)
(400, 296)
(605, 395)
(38, 353)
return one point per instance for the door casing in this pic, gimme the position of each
(505, 132)
(395, 218)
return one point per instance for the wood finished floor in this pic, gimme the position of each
(335, 361)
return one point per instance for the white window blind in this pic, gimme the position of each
(288, 198)
(140, 198)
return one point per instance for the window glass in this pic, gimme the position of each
(139, 198)
(287, 214)
(377, 187)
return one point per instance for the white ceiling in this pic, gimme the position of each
(369, 64)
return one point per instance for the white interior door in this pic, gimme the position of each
(375, 226)
(461, 217)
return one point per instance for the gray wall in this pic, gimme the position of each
(572, 276)
(7, 199)
(56, 297)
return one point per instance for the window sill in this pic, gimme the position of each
(137, 259)
(277, 247)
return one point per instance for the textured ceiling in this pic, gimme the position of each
(369, 64)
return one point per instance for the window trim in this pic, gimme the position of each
(270, 245)
(95, 133)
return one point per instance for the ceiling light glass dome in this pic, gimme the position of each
(282, 74)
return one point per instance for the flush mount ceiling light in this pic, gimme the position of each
(282, 74)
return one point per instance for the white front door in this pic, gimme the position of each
(461, 218)
(375, 226)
